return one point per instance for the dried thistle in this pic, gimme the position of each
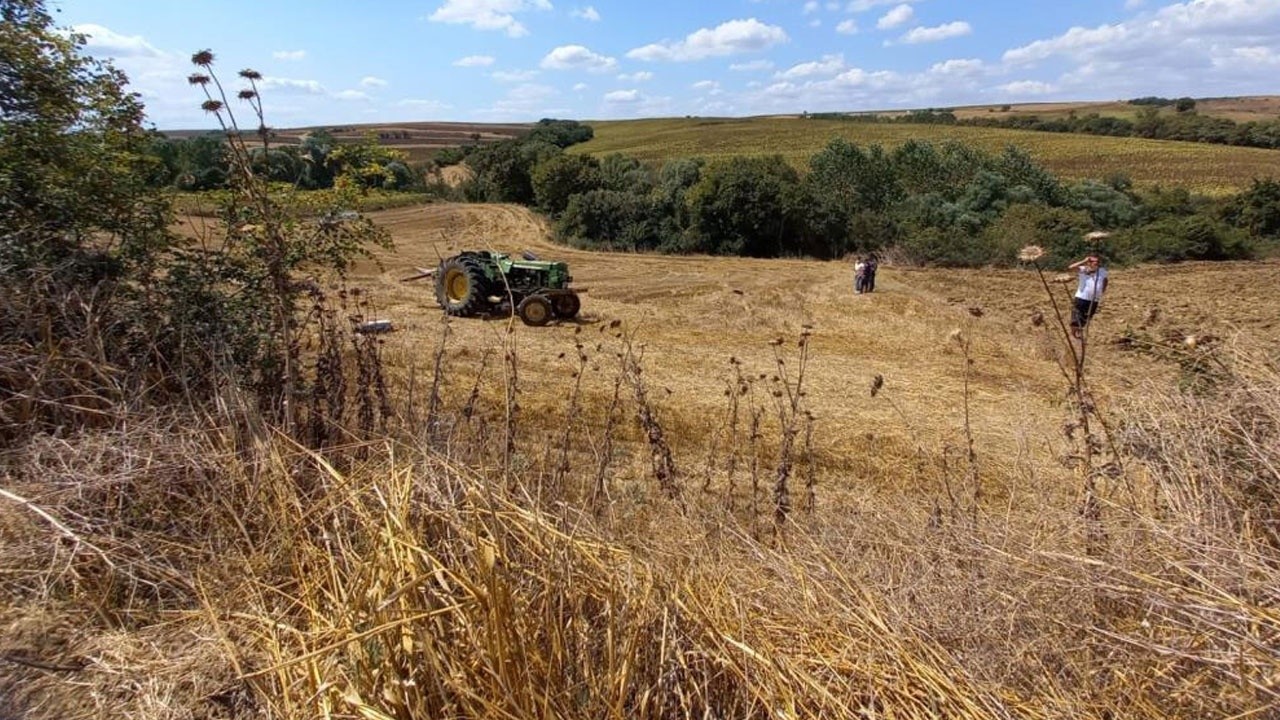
(246, 94)
(198, 79)
(212, 106)
(203, 58)
(877, 382)
(248, 74)
(1031, 253)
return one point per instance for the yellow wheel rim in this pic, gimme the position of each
(457, 286)
(536, 312)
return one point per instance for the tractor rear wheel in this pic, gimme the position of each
(534, 310)
(461, 286)
(566, 306)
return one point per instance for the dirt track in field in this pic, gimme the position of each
(692, 314)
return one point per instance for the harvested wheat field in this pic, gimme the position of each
(693, 314)
(730, 488)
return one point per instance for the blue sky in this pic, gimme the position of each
(337, 61)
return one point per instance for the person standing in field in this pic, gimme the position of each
(859, 275)
(1092, 283)
(869, 281)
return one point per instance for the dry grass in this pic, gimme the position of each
(509, 551)
(1199, 167)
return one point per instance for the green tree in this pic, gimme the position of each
(1257, 209)
(745, 206)
(854, 178)
(366, 163)
(74, 187)
(560, 177)
(82, 227)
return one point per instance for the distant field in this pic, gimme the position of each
(1213, 169)
(1239, 109)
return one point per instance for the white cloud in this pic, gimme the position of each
(857, 6)
(828, 65)
(586, 13)
(752, 66)
(1184, 34)
(641, 76)
(1131, 4)
(934, 34)
(812, 6)
(623, 97)
(474, 61)
(290, 85)
(103, 41)
(1073, 42)
(525, 101)
(706, 85)
(1256, 56)
(899, 15)
(958, 67)
(289, 55)
(371, 81)
(350, 95)
(513, 76)
(579, 87)
(847, 27)
(735, 36)
(488, 14)
(1026, 87)
(425, 104)
(577, 57)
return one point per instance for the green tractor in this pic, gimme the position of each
(475, 283)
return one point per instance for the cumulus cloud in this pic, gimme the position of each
(577, 57)
(857, 6)
(956, 67)
(290, 85)
(847, 27)
(706, 85)
(579, 87)
(828, 65)
(730, 38)
(488, 14)
(1026, 87)
(752, 66)
(289, 55)
(513, 76)
(1192, 31)
(474, 61)
(419, 104)
(587, 13)
(350, 95)
(641, 76)
(622, 96)
(934, 34)
(899, 15)
(103, 41)
(812, 6)
(371, 81)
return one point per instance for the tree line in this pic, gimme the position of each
(1185, 124)
(942, 204)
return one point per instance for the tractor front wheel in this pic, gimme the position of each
(534, 310)
(566, 306)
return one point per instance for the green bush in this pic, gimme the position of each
(1175, 239)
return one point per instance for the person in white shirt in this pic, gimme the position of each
(859, 276)
(1092, 284)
